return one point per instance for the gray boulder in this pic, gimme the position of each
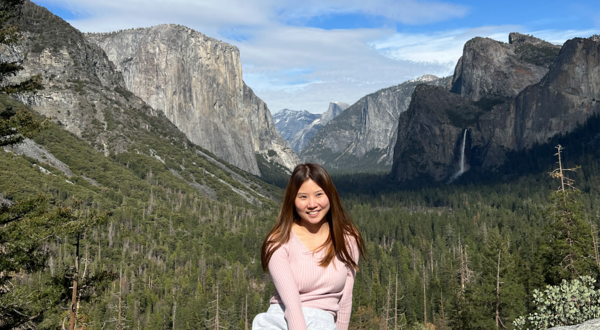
(588, 325)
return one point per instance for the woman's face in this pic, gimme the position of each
(311, 204)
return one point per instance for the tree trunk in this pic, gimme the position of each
(443, 316)
(119, 322)
(498, 292)
(174, 311)
(595, 244)
(217, 311)
(387, 305)
(424, 300)
(396, 304)
(74, 293)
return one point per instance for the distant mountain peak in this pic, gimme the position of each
(425, 78)
(342, 104)
(335, 108)
(298, 126)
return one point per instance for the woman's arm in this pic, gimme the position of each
(343, 315)
(283, 278)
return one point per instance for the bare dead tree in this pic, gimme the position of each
(443, 316)
(498, 292)
(424, 299)
(75, 282)
(246, 314)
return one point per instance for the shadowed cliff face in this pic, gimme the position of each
(363, 136)
(265, 138)
(197, 82)
(430, 132)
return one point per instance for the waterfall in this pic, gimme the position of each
(462, 154)
(462, 159)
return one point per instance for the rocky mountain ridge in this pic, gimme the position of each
(197, 82)
(362, 137)
(301, 138)
(432, 130)
(289, 122)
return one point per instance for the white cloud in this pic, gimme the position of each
(447, 46)
(301, 67)
(206, 16)
(334, 65)
(559, 37)
(443, 47)
(404, 11)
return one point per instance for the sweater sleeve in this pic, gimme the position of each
(343, 315)
(283, 278)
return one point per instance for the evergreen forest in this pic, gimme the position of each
(169, 257)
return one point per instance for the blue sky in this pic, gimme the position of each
(304, 54)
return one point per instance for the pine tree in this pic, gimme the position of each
(76, 221)
(24, 229)
(567, 250)
(498, 296)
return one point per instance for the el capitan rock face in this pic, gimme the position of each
(197, 82)
(432, 129)
(363, 136)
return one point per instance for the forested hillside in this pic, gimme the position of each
(182, 255)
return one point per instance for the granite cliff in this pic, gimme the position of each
(86, 95)
(268, 145)
(334, 110)
(431, 131)
(197, 82)
(363, 136)
(493, 69)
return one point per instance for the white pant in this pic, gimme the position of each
(274, 319)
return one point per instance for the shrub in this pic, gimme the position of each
(569, 303)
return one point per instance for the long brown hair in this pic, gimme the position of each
(342, 230)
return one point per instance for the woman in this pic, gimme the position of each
(312, 254)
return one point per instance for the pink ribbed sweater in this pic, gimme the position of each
(301, 282)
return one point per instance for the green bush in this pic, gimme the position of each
(566, 304)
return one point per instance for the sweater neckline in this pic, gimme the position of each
(306, 250)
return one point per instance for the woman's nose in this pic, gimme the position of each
(312, 202)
